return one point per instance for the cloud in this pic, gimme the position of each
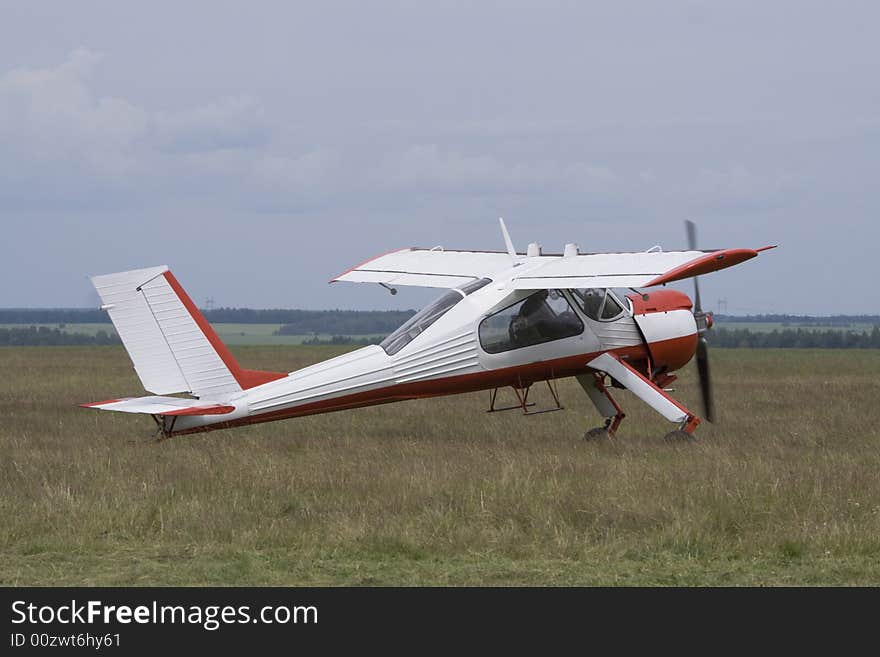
(433, 167)
(62, 138)
(230, 124)
(50, 115)
(64, 141)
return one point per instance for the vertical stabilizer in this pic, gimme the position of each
(171, 345)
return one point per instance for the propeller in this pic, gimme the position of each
(704, 323)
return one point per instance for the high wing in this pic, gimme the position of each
(644, 269)
(427, 267)
(444, 268)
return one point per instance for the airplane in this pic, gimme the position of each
(506, 319)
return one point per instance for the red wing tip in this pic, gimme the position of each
(766, 248)
(101, 403)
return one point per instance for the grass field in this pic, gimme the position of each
(784, 489)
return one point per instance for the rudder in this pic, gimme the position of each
(171, 345)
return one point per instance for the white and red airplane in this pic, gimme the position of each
(507, 319)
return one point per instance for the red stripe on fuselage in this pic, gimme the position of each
(520, 375)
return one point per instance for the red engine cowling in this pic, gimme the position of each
(667, 323)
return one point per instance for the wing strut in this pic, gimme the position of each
(646, 390)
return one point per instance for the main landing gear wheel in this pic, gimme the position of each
(679, 436)
(597, 434)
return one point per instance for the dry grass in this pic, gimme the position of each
(783, 490)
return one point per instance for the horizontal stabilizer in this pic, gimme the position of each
(162, 406)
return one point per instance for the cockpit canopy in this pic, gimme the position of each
(416, 324)
(541, 317)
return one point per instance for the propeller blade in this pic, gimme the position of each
(691, 229)
(705, 379)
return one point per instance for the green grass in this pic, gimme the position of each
(782, 490)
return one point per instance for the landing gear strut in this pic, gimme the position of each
(626, 376)
(601, 397)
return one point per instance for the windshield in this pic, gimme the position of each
(428, 315)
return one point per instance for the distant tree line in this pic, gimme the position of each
(310, 321)
(342, 324)
(303, 322)
(341, 340)
(795, 338)
(345, 322)
(53, 316)
(44, 336)
(801, 320)
(718, 337)
(296, 322)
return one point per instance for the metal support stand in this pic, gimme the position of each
(161, 428)
(522, 395)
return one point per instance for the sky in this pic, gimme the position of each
(261, 148)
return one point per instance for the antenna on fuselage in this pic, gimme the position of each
(508, 242)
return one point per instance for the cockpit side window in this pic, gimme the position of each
(598, 303)
(416, 324)
(611, 309)
(540, 317)
(590, 300)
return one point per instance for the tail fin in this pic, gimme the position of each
(171, 345)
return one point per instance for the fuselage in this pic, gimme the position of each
(483, 338)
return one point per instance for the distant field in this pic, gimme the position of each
(231, 334)
(88, 329)
(780, 326)
(782, 490)
(262, 334)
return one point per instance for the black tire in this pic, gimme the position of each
(597, 434)
(679, 437)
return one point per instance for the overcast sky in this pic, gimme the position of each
(260, 148)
